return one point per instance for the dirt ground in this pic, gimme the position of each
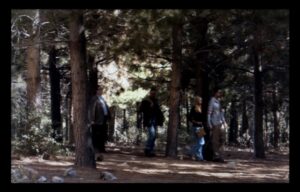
(129, 165)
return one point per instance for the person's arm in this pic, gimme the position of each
(223, 119)
(209, 112)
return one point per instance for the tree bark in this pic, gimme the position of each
(259, 149)
(245, 123)
(92, 75)
(275, 118)
(111, 128)
(266, 128)
(187, 112)
(84, 154)
(233, 128)
(138, 125)
(55, 96)
(174, 113)
(33, 80)
(202, 80)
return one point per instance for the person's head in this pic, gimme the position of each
(99, 91)
(198, 100)
(217, 92)
(198, 103)
(152, 92)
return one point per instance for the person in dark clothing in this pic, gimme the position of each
(152, 117)
(99, 116)
(197, 118)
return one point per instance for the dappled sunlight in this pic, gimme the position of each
(55, 163)
(148, 171)
(131, 167)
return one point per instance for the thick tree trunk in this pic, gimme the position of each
(174, 113)
(55, 96)
(202, 79)
(202, 82)
(84, 154)
(33, 75)
(259, 149)
(201, 56)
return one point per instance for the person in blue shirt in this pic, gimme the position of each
(216, 123)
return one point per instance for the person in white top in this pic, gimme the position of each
(216, 123)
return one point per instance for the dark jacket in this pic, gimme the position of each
(96, 113)
(150, 110)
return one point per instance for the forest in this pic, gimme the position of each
(59, 58)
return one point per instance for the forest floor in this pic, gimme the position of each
(129, 165)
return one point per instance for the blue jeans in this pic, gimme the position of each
(151, 138)
(198, 146)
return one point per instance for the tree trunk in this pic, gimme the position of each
(266, 128)
(55, 96)
(33, 75)
(201, 61)
(187, 112)
(92, 76)
(138, 125)
(259, 149)
(84, 154)
(69, 119)
(275, 118)
(233, 128)
(202, 80)
(124, 120)
(245, 123)
(174, 114)
(111, 129)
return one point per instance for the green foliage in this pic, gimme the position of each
(129, 98)
(36, 141)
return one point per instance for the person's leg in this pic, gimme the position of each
(103, 133)
(94, 138)
(199, 148)
(216, 141)
(222, 141)
(201, 144)
(196, 144)
(150, 141)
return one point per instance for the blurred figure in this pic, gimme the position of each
(152, 117)
(216, 123)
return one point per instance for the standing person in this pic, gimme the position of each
(152, 117)
(197, 118)
(216, 123)
(99, 117)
